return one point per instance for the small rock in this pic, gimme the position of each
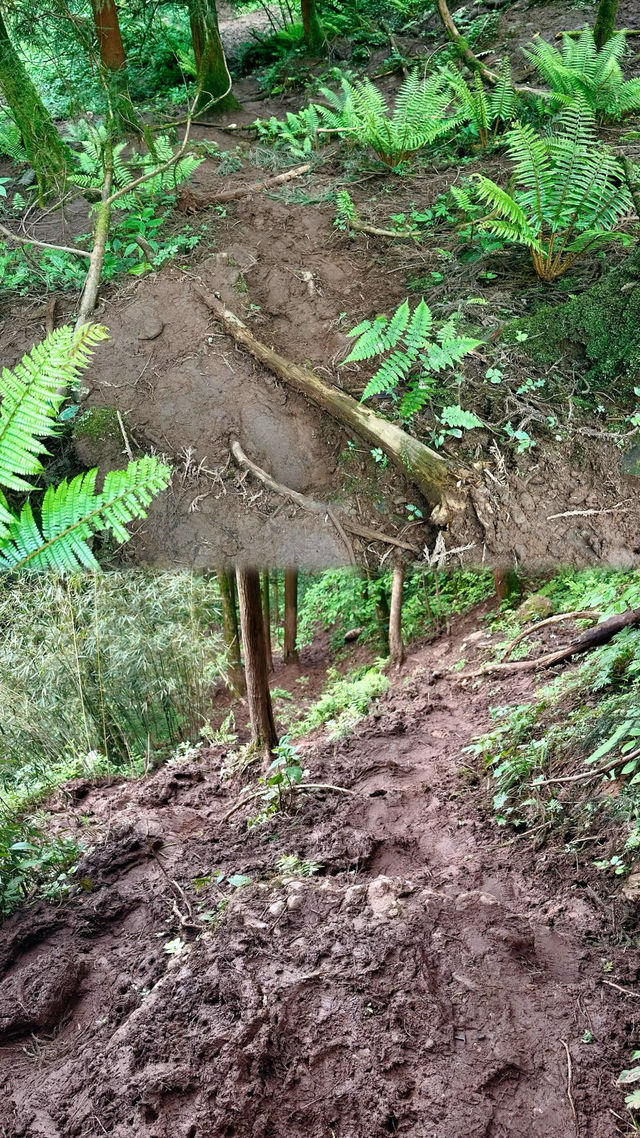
(475, 897)
(535, 607)
(294, 902)
(383, 895)
(631, 888)
(277, 908)
(151, 328)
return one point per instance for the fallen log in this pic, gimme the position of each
(581, 614)
(311, 505)
(188, 202)
(592, 638)
(439, 479)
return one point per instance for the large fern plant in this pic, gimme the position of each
(488, 113)
(411, 353)
(92, 141)
(565, 197)
(56, 534)
(580, 68)
(425, 110)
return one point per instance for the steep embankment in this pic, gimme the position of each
(433, 978)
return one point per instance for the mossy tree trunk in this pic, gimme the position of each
(114, 65)
(290, 615)
(313, 33)
(605, 24)
(263, 729)
(214, 81)
(227, 589)
(47, 153)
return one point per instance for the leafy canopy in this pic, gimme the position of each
(57, 534)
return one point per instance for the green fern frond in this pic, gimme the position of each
(580, 69)
(11, 141)
(31, 395)
(72, 513)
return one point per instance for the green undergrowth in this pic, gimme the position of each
(345, 701)
(585, 723)
(99, 676)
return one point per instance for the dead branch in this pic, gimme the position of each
(42, 244)
(439, 479)
(592, 638)
(192, 202)
(604, 769)
(312, 506)
(584, 615)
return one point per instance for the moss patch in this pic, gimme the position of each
(602, 325)
(99, 424)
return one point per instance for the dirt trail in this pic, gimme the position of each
(422, 983)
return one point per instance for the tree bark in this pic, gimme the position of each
(290, 615)
(214, 80)
(438, 478)
(266, 614)
(313, 34)
(227, 588)
(45, 150)
(112, 58)
(506, 583)
(263, 729)
(605, 24)
(396, 645)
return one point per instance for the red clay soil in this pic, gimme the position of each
(425, 982)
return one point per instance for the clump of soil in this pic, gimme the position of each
(424, 981)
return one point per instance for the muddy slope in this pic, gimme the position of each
(424, 982)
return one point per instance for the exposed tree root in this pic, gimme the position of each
(559, 619)
(593, 638)
(312, 506)
(439, 479)
(189, 202)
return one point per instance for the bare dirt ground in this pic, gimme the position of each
(277, 260)
(428, 981)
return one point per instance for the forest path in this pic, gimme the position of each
(426, 982)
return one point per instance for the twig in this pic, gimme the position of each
(604, 769)
(588, 513)
(572, 1104)
(127, 446)
(244, 191)
(42, 244)
(625, 991)
(314, 507)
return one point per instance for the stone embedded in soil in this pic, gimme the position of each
(151, 328)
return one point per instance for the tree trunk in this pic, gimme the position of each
(506, 583)
(114, 65)
(313, 33)
(396, 646)
(227, 588)
(276, 599)
(440, 479)
(263, 730)
(290, 615)
(376, 584)
(46, 152)
(266, 614)
(604, 26)
(214, 80)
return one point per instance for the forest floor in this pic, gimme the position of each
(184, 389)
(435, 977)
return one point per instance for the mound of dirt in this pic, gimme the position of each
(427, 980)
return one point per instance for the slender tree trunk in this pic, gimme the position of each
(214, 80)
(276, 599)
(376, 583)
(506, 583)
(605, 24)
(313, 33)
(227, 588)
(266, 613)
(396, 646)
(263, 730)
(290, 615)
(114, 65)
(46, 152)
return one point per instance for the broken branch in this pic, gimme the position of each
(439, 479)
(584, 615)
(192, 202)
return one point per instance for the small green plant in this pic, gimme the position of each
(412, 353)
(71, 513)
(488, 113)
(283, 774)
(580, 69)
(345, 700)
(30, 861)
(627, 1079)
(425, 111)
(290, 865)
(566, 197)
